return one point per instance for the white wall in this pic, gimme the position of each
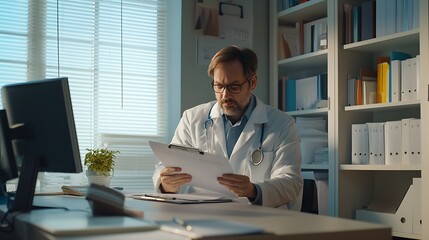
(195, 83)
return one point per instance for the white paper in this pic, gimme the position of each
(204, 168)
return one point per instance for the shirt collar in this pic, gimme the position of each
(246, 114)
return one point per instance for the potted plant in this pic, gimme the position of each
(100, 163)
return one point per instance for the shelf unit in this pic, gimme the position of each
(319, 61)
(365, 180)
(353, 186)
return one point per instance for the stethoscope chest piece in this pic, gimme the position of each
(257, 157)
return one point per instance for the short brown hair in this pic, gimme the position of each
(246, 56)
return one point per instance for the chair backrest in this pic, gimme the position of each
(309, 197)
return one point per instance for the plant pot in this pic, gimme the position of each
(97, 178)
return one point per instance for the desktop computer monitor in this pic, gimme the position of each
(42, 132)
(8, 166)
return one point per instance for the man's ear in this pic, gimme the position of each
(253, 82)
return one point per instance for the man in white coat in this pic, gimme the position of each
(260, 141)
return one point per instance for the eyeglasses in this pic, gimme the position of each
(232, 88)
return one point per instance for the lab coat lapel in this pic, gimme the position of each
(218, 129)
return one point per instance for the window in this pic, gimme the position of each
(114, 54)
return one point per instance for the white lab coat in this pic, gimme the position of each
(279, 174)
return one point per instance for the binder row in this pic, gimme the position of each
(304, 37)
(303, 94)
(379, 18)
(389, 143)
(396, 79)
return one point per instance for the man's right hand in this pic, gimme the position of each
(172, 179)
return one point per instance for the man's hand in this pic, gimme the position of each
(172, 179)
(238, 184)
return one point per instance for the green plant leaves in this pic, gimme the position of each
(100, 160)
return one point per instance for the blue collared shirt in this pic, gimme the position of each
(232, 133)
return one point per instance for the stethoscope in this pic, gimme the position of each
(257, 155)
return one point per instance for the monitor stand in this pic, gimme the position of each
(23, 199)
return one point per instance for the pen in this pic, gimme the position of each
(182, 223)
(160, 198)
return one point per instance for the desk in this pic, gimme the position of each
(284, 224)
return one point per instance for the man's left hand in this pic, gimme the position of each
(238, 184)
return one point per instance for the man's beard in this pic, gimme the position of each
(230, 110)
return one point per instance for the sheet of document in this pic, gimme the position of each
(204, 167)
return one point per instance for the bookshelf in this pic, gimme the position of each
(320, 61)
(353, 187)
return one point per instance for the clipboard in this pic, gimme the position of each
(189, 149)
(204, 167)
(181, 198)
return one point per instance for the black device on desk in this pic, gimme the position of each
(40, 127)
(105, 201)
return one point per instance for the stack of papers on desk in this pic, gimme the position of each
(76, 225)
(181, 198)
(202, 228)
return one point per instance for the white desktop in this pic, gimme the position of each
(276, 223)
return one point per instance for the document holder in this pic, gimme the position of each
(403, 218)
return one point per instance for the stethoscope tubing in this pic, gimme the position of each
(257, 155)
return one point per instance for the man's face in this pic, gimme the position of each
(233, 104)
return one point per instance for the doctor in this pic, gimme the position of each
(260, 141)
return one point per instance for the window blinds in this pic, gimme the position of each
(113, 53)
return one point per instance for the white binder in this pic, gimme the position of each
(360, 144)
(415, 142)
(309, 92)
(312, 34)
(376, 142)
(406, 141)
(417, 72)
(393, 142)
(300, 87)
(395, 70)
(409, 86)
(369, 92)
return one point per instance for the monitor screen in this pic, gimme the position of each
(46, 140)
(8, 166)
